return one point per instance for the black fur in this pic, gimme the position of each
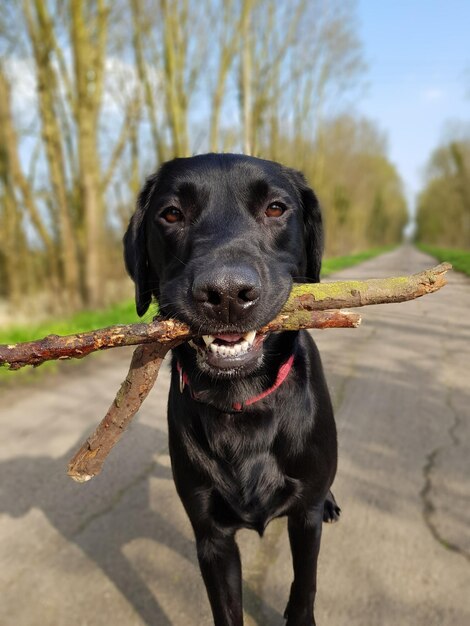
(276, 457)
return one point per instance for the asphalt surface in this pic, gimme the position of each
(119, 550)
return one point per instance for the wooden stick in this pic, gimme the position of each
(56, 347)
(307, 307)
(143, 372)
(163, 332)
(146, 361)
(356, 293)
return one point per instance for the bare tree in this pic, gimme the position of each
(140, 30)
(227, 23)
(112, 102)
(43, 43)
(88, 32)
(15, 178)
(184, 45)
(443, 216)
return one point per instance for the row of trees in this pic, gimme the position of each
(443, 209)
(94, 94)
(361, 191)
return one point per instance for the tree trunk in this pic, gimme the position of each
(89, 56)
(8, 238)
(174, 55)
(40, 34)
(9, 142)
(246, 70)
(150, 103)
(228, 44)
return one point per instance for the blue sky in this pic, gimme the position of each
(418, 57)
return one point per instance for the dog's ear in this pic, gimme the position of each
(313, 228)
(314, 240)
(135, 250)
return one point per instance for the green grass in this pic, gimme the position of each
(122, 313)
(335, 264)
(460, 259)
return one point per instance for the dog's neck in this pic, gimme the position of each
(233, 394)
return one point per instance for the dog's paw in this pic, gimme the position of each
(331, 510)
(298, 615)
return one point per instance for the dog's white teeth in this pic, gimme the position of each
(208, 339)
(230, 349)
(250, 337)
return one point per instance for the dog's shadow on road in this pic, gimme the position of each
(107, 514)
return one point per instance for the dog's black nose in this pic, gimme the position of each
(227, 294)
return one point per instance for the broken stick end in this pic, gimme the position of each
(80, 478)
(357, 322)
(444, 267)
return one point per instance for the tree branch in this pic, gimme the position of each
(143, 372)
(297, 313)
(308, 306)
(356, 293)
(55, 347)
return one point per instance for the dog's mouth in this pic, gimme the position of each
(228, 350)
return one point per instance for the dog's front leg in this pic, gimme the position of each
(219, 560)
(304, 536)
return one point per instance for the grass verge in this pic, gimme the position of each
(460, 259)
(122, 313)
(335, 264)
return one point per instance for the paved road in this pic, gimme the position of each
(119, 550)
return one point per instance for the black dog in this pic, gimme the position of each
(218, 240)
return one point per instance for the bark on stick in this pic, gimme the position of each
(143, 372)
(308, 306)
(297, 313)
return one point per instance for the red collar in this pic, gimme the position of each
(282, 374)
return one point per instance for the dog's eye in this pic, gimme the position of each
(172, 215)
(275, 209)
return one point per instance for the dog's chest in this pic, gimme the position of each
(251, 488)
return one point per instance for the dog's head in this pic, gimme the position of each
(218, 239)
